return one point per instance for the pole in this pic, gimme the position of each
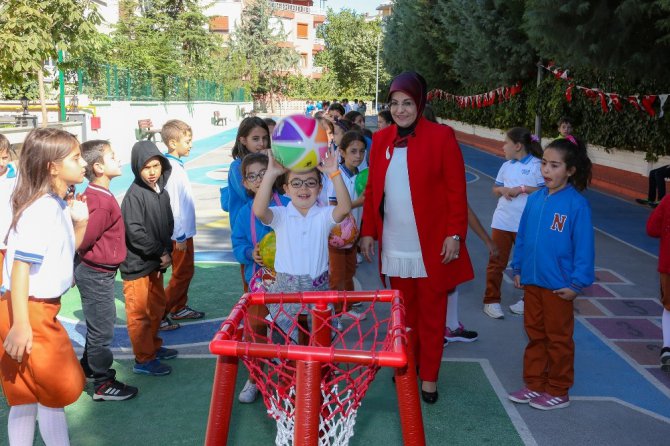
(377, 76)
(538, 119)
(61, 81)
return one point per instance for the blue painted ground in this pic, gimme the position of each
(624, 220)
(200, 147)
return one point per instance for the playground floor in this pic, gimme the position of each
(620, 396)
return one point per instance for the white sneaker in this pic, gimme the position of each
(517, 308)
(494, 311)
(248, 393)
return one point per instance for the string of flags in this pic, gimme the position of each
(612, 101)
(487, 99)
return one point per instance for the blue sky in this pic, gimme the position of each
(361, 6)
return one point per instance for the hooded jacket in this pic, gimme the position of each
(147, 216)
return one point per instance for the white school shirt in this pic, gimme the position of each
(181, 200)
(43, 237)
(514, 173)
(302, 242)
(349, 180)
(7, 184)
(401, 250)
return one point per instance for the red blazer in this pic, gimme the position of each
(658, 226)
(437, 184)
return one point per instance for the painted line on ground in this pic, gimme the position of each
(611, 399)
(515, 417)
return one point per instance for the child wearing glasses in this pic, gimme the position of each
(302, 228)
(248, 231)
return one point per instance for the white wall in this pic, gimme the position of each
(16, 135)
(619, 159)
(119, 119)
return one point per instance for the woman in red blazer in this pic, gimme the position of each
(416, 208)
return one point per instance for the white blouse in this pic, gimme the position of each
(401, 250)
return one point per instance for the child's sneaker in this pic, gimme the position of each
(153, 368)
(459, 335)
(114, 390)
(249, 393)
(187, 313)
(665, 359)
(517, 308)
(166, 353)
(550, 402)
(523, 396)
(494, 311)
(168, 325)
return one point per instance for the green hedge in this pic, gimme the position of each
(628, 129)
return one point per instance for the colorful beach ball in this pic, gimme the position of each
(268, 248)
(361, 181)
(344, 234)
(299, 143)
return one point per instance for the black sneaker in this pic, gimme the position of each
(459, 335)
(114, 390)
(166, 353)
(187, 313)
(665, 359)
(642, 201)
(168, 324)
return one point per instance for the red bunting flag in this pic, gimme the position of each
(648, 102)
(615, 100)
(568, 92)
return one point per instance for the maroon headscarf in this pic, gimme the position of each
(414, 85)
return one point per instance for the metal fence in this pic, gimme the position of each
(113, 83)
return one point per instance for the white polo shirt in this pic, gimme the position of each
(349, 180)
(302, 242)
(514, 173)
(43, 237)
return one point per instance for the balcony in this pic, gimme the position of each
(297, 8)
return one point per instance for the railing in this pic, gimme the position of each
(298, 8)
(113, 83)
(317, 69)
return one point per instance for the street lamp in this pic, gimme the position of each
(24, 104)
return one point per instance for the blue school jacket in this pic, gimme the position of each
(243, 246)
(554, 247)
(237, 194)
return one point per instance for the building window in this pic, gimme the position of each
(303, 30)
(303, 60)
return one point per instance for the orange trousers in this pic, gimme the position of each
(2, 264)
(183, 268)
(504, 240)
(145, 306)
(549, 359)
(342, 265)
(426, 313)
(51, 374)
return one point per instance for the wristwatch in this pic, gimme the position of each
(456, 237)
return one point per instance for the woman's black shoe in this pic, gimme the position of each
(429, 397)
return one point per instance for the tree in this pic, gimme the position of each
(351, 52)
(261, 40)
(489, 45)
(32, 32)
(408, 42)
(618, 37)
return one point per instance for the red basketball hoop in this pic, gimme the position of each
(312, 372)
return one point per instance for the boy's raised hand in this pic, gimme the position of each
(328, 164)
(274, 167)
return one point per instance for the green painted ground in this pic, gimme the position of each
(173, 410)
(215, 288)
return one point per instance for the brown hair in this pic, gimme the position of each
(93, 152)
(173, 130)
(4, 143)
(351, 136)
(245, 128)
(574, 155)
(520, 135)
(41, 148)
